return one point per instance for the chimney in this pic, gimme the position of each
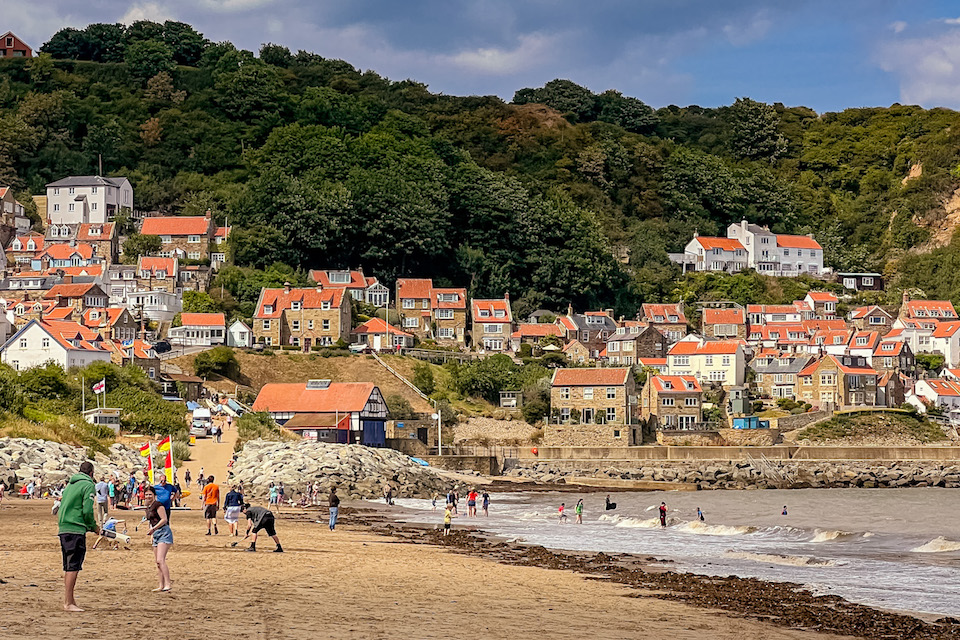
(570, 309)
(506, 296)
(906, 297)
(609, 313)
(67, 280)
(286, 287)
(207, 214)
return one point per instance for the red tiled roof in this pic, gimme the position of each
(652, 362)
(713, 347)
(812, 326)
(863, 312)
(778, 308)
(322, 277)
(590, 377)
(280, 299)
(944, 387)
(944, 308)
(84, 231)
(65, 251)
(108, 317)
(69, 290)
(63, 332)
(651, 311)
(176, 226)
(724, 244)
(203, 320)
(946, 329)
(38, 241)
(675, 384)
(154, 264)
(528, 330)
(568, 323)
(811, 368)
(460, 303)
(492, 306)
(379, 325)
(222, 232)
(723, 316)
(339, 396)
(889, 348)
(873, 338)
(417, 288)
(821, 296)
(92, 270)
(59, 313)
(797, 242)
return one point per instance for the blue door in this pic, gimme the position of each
(373, 433)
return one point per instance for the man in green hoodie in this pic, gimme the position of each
(75, 519)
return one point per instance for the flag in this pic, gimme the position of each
(149, 464)
(168, 465)
(145, 450)
(100, 387)
(164, 444)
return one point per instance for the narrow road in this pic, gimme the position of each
(211, 456)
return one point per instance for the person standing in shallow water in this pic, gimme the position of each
(699, 514)
(784, 510)
(663, 514)
(579, 511)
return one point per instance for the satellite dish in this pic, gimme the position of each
(435, 416)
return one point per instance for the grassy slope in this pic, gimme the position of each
(895, 429)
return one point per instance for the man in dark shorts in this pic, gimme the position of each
(74, 520)
(211, 502)
(260, 519)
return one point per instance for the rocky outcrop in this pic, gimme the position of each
(357, 471)
(53, 462)
(725, 474)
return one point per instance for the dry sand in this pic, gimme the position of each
(349, 583)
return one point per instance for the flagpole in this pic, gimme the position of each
(83, 396)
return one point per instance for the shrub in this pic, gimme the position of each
(219, 360)
(534, 412)
(400, 408)
(181, 452)
(423, 378)
(526, 351)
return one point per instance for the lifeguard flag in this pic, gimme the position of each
(164, 444)
(145, 450)
(168, 466)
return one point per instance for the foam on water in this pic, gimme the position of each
(938, 545)
(820, 535)
(702, 528)
(785, 560)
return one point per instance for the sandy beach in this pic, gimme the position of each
(349, 583)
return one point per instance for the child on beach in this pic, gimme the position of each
(663, 514)
(486, 504)
(435, 496)
(447, 519)
(579, 511)
(563, 516)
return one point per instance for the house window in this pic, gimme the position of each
(295, 325)
(876, 320)
(726, 361)
(166, 239)
(193, 239)
(445, 332)
(296, 305)
(447, 297)
(587, 415)
(409, 303)
(93, 207)
(584, 336)
(45, 343)
(564, 393)
(445, 314)
(193, 255)
(691, 402)
(827, 379)
(309, 324)
(565, 414)
(759, 377)
(425, 304)
(868, 282)
(266, 325)
(492, 328)
(708, 361)
(70, 206)
(411, 323)
(681, 361)
(325, 325)
(56, 191)
(588, 393)
(152, 373)
(325, 305)
(23, 343)
(667, 402)
(850, 283)
(72, 191)
(56, 207)
(611, 414)
(888, 362)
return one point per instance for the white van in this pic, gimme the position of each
(201, 423)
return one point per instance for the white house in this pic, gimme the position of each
(940, 393)
(199, 330)
(87, 199)
(716, 254)
(69, 344)
(946, 340)
(159, 306)
(777, 254)
(239, 335)
(721, 361)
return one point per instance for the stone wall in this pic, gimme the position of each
(486, 465)
(689, 438)
(750, 437)
(789, 423)
(586, 435)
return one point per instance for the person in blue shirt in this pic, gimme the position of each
(166, 493)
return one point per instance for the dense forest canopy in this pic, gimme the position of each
(561, 196)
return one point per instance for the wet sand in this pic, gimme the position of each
(354, 583)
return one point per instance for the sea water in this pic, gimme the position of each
(890, 548)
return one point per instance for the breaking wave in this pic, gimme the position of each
(695, 526)
(791, 561)
(938, 545)
(820, 535)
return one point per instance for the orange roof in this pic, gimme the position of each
(944, 387)
(872, 339)
(811, 368)
(280, 299)
(339, 396)
(823, 325)
(203, 320)
(529, 330)
(943, 309)
(322, 277)
(154, 264)
(567, 323)
(459, 303)
(59, 313)
(65, 251)
(723, 316)
(821, 296)
(946, 329)
(221, 232)
(65, 332)
(176, 226)
(85, 231)
(652, 362)
(889, 348)
(139, 348)
(93, 270)
(68, 290)
(863, 312)
(797, 242)
(675, 384)
(590, 377)
(492, 307)
(418, 288)
(664, 311)
(724, 244)
(379, 325)
(108, 317)
(713, 347)
(37, 238)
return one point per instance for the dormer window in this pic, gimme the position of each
(500, 313)
(325, 305)
(689, 385)
(31, 246)
(658, 318)
(667, 384)
(888, 346)
(861, 342)
(483, 313)
(145, 274)
(268, 308)
(296, 305)
(837, 339)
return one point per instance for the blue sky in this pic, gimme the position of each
(824, 54)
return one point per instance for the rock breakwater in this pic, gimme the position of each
(358, 472)
(52, 462)
(724, 474)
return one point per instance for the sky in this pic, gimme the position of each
(824, 54)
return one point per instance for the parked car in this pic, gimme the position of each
(198, 430)
(162, 346)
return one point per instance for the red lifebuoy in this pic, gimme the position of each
(534, 451)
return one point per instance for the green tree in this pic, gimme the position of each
(276, 55)
(219, 360)
(140, 245)
(423, 378)
(200, 302)
(564, 96)
(755, 132)
(630, 113)
(147, 58)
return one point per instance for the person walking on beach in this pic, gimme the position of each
(663, 514)
(563, 516)
(334, 507)
(579, 511)
(3, 487)
(448, 517)
(112, 492)
(103, 498)
(158, 518)
(472, 503)
(388, 495)
(281, 496)
(699, 514)
(260, 519)
(486, 504)
(273, 494)
(434, 502)
(211, 503)
(232, 503)
(610, 505)
(187, 478)
(165, 494)
(784, 510)
(74, 519)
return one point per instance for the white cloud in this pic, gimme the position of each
(531, 51)
(927, 65)
(147, 11)
(232, 6)
(898, 26)
(740, 34)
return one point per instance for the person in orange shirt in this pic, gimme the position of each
(211, 502)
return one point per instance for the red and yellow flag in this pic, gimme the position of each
(145, 450)
(164, 444)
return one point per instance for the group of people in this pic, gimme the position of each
(450, 509)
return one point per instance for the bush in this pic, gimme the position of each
(534, 412)
(219, 360)
(400, 408)
(181, 452)
(254, 425)
(525, 351)
(423, 378)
